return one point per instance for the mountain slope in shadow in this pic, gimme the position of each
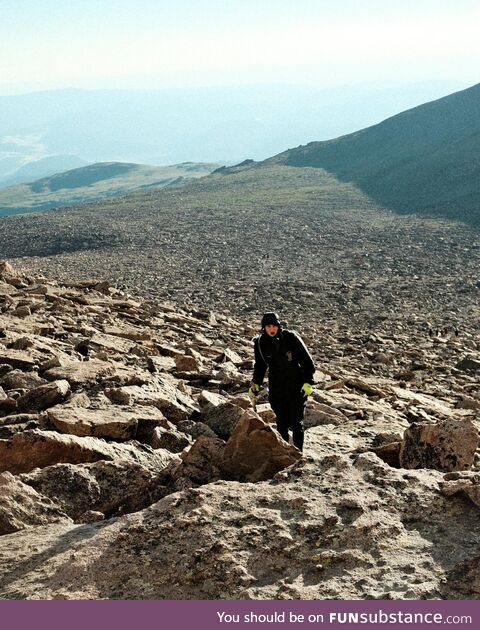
(425, 160)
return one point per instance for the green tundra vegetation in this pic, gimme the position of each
(92, 183)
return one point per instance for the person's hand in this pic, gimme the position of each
(253, 391)
(307, 389)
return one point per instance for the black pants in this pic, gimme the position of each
(290, 410)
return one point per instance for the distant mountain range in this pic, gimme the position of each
(425, 160)
(225, 125)
(94, 182)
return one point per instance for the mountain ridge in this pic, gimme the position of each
(422, 160)
(93, 182)
(201, 125)
(43, 167)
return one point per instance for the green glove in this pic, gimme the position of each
(307, 389)
(253, 391)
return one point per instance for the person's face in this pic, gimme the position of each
(271, 330)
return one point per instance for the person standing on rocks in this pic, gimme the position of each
(290, 375)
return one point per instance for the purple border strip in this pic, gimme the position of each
(205, 615)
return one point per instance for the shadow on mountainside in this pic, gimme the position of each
(424, 160)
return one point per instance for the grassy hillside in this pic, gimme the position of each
(44, 167)
(94, 182)
(424, 160)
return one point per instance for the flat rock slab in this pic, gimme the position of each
(210, 398)
(161, 363)
(37, 449)
(131, 333)
(429, 403)
(116, 422)
(318, 413)
(18, 359)
(80, 372)
(111, 343)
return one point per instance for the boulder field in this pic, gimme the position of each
(133, 467)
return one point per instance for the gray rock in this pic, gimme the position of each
(170, 439)
(39, 449)
(106, 487)
(44, 396)
(446, 446)
(80, 373)
(21, 506)
(222, 419)
(17, 379)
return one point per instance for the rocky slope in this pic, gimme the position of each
(292, 239)
(132, 466)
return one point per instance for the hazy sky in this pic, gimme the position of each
(47, 44)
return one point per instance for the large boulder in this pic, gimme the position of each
(22, 506)
(104, 486)
(39, 449)
(170, 439)
(113, 422)
(447, 446)
(201, 464)
(255, 451)
(43, 396)
(222, 418)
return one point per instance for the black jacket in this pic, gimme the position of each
(288, 361)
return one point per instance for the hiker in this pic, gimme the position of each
(290, 375)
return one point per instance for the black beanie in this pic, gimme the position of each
(270, 318)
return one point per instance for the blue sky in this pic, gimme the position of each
(47, 44)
